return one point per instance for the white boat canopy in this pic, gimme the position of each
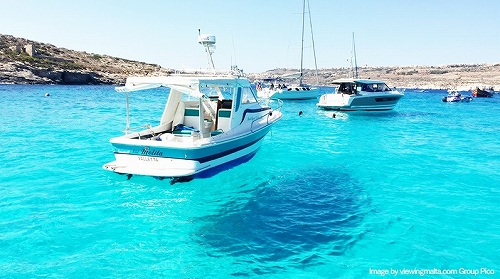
(188, 85)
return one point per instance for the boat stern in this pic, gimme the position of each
(152, 166)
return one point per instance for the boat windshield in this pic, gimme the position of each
(374, 87)
(248, 96)
(223, 93)
(226, 93)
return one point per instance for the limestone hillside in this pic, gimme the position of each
(24, 61)
(460, 76)
(48, 64)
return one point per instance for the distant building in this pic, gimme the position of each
(28, 49)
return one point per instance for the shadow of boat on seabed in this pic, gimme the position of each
(292, 214)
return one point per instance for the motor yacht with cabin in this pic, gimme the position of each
(211, 122)
(360, 95)
(354, 94)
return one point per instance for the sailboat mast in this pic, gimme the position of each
(354, 53)
(312, 39)
(302, 46)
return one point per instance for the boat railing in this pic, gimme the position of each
(274, 104)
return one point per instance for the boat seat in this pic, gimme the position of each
(183, 130)
(192, 117)
(182, 133)
(224, 119)
(216, 132)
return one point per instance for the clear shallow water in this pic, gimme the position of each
(417, 187)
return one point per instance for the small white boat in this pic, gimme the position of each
(282, 91)
(211, 122)
(455, 96)
(360, 95)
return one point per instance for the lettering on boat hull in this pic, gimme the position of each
(147, 159)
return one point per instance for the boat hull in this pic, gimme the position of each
(139, 158)
(371, 102)
(457, 99)
(479, 93)
(291, 93)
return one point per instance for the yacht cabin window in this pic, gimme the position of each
(247, 96)
(375, 87)
(347, 88)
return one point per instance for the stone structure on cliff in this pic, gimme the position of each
(28, 49)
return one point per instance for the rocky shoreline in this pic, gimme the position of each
(24, 61)
(459, 77)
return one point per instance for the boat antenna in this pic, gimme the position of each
(312, 39)
(355, 70)
(234, 53)
(208, 41)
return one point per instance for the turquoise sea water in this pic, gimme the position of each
(415, 188)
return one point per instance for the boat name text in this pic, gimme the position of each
(146, 151)
(148, 159)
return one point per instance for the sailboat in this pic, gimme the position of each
(354, 94)
(299, 91)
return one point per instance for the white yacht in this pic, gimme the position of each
(284, 91)
(454, 96)
(360, 94)
(224, 125)
(210, 122)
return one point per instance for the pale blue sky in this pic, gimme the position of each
(261, 35)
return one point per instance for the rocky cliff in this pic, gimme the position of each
(28, 62)
(24, 61)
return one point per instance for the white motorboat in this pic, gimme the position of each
(455, 96)
(360, 94)
(299, 91)
(225, 125)
(210, 122)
